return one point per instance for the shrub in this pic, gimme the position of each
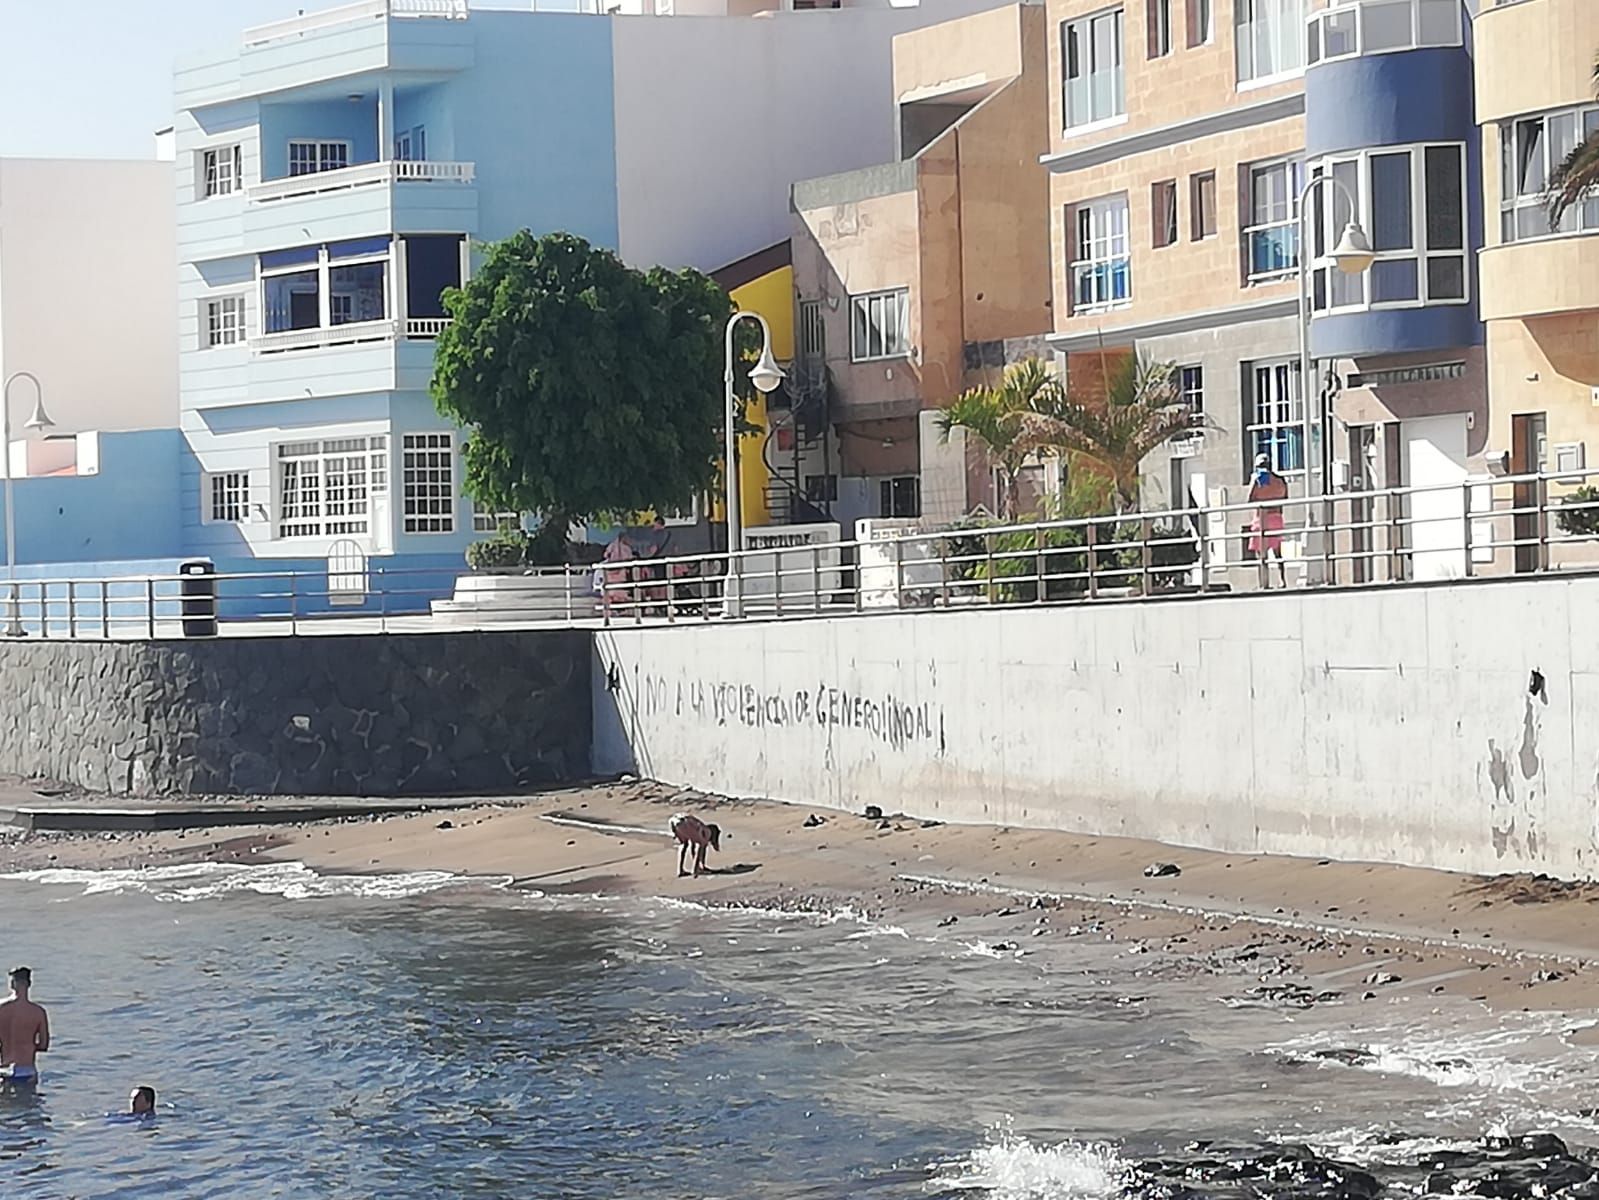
(504, 550)
(1579, 522)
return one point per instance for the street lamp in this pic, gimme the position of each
(39, 420)
(1351, 255)
(765, 375)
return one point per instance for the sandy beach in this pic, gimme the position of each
(1276, 930)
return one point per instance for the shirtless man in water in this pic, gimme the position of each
(24, 1031)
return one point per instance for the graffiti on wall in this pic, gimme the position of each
(882, 716)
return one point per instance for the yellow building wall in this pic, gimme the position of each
(771, 296)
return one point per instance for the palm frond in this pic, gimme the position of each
(1573, 179)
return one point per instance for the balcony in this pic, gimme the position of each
(1540, 278)
(353, 14)
(355, 333)
(321, 183)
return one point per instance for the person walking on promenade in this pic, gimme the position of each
(1267, 491)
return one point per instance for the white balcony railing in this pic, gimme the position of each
(352, 14)
(364, 175)
(1356, 28)
(425, 328)
(354, 334)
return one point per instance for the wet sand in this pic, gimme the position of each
(1281, 930)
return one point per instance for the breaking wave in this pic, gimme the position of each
(188, 882)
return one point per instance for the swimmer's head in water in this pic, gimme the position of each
(716, 836)
(21, 977)
(142, 1101)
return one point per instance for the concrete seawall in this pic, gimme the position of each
(352, 715)
(1452, 726)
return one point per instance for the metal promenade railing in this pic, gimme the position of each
(1478, 528)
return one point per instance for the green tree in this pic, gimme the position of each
(587, 387)
(994, 415)
(1141, 408)
(1578, 174)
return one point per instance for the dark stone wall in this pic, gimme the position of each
(365, 715)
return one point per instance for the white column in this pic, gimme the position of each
(399, 307)
(386, 120)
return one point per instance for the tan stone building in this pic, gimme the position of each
(918, 277)
(1540, 286)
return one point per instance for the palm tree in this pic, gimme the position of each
(1141, 408)
(1573, 178)
(994, 415)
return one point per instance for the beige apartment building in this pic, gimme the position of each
(918, 277)
(1540, 285)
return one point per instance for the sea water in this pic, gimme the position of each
(405, 1035)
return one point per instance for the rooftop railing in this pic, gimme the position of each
(1475, 530)
(351, 14)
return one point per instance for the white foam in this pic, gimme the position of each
(189, 882)
(1014, 1168)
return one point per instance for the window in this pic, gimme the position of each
(223, 322)
(222, 171)
(1411, 202)
(429, 482)
(1201, 22)
(1274, 416)
(1270, 38)
(1530, 150)
(1091, 48)
(1159, 16)
(228, 497)
(352, 276)
(1202, 205)
(1271, 238)
(1101, 269)
(1163, 210)
(325, 487)
(821, 489)
(310, 157)
(1191, 389)
(486, 520)
(411, 145)
(1382, 26)
(813, 339)
(879, 325)
(900, 497)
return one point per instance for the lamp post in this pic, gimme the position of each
(39, 420)
(765, 375)
(1352, 255)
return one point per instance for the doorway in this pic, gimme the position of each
(1529, 437)
(1435, 458)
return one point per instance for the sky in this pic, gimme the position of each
(93, 78)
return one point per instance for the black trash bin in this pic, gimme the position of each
(199, 589)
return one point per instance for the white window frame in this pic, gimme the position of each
(887, 316)
(1293, 168)
(222, 321)
(1581, 218)
(324, 266)
(411, 145)
(220, 170)
(225, 498)
(1191, 387)
(1083, 29)
(347, 473)
(1326, 213)
(1157, 17)
(1286, 19)
(321, 155)
(489, 520)
(1106, 247)
(1349, 23)
(1284, 406)
(424, 510)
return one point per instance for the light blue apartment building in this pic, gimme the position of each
(335, 171)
